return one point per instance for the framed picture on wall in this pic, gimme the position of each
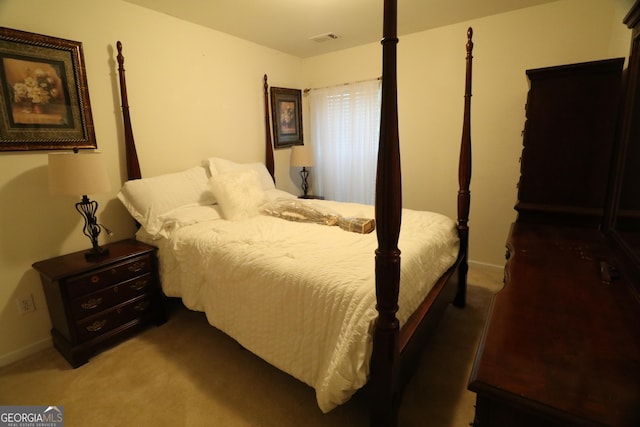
(44, 98)
(286, 114)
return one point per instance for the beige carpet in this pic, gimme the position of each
(186, 373)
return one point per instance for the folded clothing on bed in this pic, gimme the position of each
(305, 211)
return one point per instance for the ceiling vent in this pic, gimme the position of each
(321, 38)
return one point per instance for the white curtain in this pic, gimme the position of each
(345, 128)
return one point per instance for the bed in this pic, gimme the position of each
(312, 298)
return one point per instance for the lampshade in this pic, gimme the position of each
(77, 174)
(301, 155)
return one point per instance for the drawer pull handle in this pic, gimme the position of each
(142, 306)
(97, 325)
(136, 266)
(92, 303)
(608, 273)
(95, 279)
(140, 284)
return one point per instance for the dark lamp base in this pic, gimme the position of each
(96, 253)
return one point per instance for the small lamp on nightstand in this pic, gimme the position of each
(79, 174)
(302, 156)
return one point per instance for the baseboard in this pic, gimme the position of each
(14, 356)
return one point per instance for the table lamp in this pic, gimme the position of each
(302, 156)
(79, 174)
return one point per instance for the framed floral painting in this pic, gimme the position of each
(286, 115)
(44, 98)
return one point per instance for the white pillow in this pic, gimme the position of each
(217, 165)
(274, 193)
(148, 198)
(186, 215)
(238, 193)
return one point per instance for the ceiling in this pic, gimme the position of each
(289, 25)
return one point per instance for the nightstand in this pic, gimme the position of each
(95, 303)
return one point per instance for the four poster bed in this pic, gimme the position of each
(307, 297)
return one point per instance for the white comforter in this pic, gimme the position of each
(301, 296)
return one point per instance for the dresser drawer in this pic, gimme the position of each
(111, 275)
(94, 326)
(96, 302)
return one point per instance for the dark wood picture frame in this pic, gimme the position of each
(44, 97)
(286, 114)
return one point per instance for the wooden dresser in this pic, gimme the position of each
(95, 303)
(561, 346)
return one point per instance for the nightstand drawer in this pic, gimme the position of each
(99, 279)
(89, 304)
(102, 322)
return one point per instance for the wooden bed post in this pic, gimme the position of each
(133, 166)
(388, 212)
(464, 179)
(269, 162)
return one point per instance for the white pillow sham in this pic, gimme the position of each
(274, 193)
(239, 193)
(147, 199)
(218, 165)
(186, 215)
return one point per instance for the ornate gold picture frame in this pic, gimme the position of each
(44, 98)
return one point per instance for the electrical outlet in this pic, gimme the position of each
(26, 304)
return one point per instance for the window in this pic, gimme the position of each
(345, 128)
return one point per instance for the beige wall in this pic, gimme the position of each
(196, 93)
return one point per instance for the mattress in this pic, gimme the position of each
(300, 295)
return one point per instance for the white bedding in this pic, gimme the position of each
(301, 296)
